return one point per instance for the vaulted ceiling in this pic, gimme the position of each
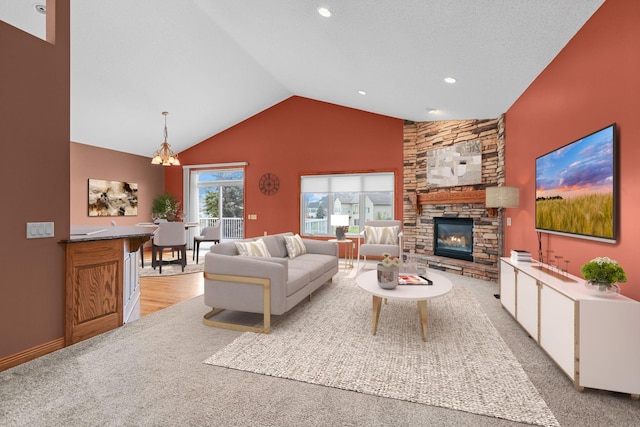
(214, 63)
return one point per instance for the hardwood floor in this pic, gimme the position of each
(157, 293)
(161, 292)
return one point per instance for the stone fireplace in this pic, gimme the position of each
(481, 258)
(453, 238)
(425, 201)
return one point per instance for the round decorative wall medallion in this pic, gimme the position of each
(269, 184)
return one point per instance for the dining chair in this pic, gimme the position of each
(208, 234)
(170, 235)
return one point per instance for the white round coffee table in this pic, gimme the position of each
(368, 281)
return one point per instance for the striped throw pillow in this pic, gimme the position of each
(295, 246)
(254, 248)
(381, 235)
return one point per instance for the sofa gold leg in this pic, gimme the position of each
(212, 313)
(265, 329)
(266, 300)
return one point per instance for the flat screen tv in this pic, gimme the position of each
(576, 188)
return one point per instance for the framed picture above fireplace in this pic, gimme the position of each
(459, 164)
(576, 188)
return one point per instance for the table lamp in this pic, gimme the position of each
(341, 223)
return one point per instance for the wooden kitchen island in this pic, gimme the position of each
(102, 284)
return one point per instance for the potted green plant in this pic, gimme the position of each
(165, 206)
(603, 273)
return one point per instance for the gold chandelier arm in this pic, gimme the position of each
(164, 156)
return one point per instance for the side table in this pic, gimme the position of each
(348, 251)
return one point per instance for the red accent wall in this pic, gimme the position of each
(593, 82)
(298, 136)
(34, 180)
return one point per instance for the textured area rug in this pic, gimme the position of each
(173, 269)
(464, 365)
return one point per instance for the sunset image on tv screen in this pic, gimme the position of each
(575, 187)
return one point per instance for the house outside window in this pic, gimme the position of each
(344, 194)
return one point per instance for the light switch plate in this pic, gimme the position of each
(39, 230)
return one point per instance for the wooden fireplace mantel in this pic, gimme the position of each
(473, 196)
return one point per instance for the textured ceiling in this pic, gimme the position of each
(213, 63)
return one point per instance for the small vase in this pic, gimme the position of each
(602, 289)
(388, 276)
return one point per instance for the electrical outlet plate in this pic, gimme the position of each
(39, 230)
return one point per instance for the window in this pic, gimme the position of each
(363, 197)
(218, 195)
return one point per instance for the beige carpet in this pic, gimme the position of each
(464, 365)
(173, 269)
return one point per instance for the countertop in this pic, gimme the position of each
(88, 233)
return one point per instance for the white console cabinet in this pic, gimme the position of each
(594, 340)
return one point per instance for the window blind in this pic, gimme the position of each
(346, 183)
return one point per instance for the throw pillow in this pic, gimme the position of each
(254, 248)
(381, 235)
(295, 246)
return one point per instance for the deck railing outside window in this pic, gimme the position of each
(314, 227)
(231, 229)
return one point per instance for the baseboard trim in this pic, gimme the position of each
(30, 354)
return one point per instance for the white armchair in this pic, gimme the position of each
(379, 237)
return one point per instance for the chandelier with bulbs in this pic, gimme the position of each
(164, 156)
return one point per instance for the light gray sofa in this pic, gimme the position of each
(268, 285)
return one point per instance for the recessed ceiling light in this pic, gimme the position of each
(324, 12)
(449, 80)
(41, 8)
(362, 92)
(432, 110)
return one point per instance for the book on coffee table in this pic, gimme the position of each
(413, 279)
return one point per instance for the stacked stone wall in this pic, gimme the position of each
(419, 139)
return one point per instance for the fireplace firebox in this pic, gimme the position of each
(453, 238)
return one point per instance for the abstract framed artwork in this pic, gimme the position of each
(459, 164)
(112, 198)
